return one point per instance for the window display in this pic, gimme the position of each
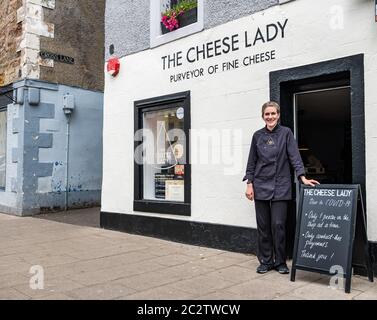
(164, 170)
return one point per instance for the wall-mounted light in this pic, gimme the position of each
(68, 104)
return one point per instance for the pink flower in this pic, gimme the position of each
(170, 23)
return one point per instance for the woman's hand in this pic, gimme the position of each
(250, 192)
(309, 182)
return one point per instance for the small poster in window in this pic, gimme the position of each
(179, 170)
(178, 151)
(160, 179)
(180, 113)
(175, 190)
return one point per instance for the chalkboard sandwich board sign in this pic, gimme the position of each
(325, 231)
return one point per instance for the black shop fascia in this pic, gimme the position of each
(226, 45)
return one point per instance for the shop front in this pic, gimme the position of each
(179, 120)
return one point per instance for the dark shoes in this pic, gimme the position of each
(263, 268)
(282, 269)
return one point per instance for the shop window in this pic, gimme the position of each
(174, 19)
(162, 170)
(3, 147)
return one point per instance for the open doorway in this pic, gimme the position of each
(323, 133)
(319, 112)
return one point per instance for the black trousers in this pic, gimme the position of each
(271, 223)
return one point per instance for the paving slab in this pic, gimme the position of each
(105, 291)
(369, 294)
(218, 261)
(160, 293)
(146, 281)
(173, 260)
(12, 294)
(13, 279)
(186, 271)
(260, 289)
(236, 274)
(55, 297)
(219, 295)
(321, 290)
(51, 286)
(202, 285)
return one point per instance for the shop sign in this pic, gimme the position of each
(248, 41)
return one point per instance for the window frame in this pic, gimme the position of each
(156, 36)
(158, 206)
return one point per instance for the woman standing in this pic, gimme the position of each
(273, 150)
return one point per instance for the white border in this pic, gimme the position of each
(157, 39)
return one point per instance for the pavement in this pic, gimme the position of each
(66, 256)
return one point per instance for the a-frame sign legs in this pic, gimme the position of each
(347, 288)
(293, 274)
(362, 228)
(368, 260)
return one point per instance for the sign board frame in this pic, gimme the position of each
(357, 209)
(57, 57)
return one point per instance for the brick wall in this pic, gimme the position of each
(10, 32)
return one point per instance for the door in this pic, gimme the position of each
(322, 128)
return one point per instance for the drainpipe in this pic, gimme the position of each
(68, 107)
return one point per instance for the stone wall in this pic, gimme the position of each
(34, 27)
(10, 31)
(79, 33)
(71, 28)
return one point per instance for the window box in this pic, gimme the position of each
(191, 23)
(184, 19)
(188, 17)
(164, 30)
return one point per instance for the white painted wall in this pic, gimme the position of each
(327, 30)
